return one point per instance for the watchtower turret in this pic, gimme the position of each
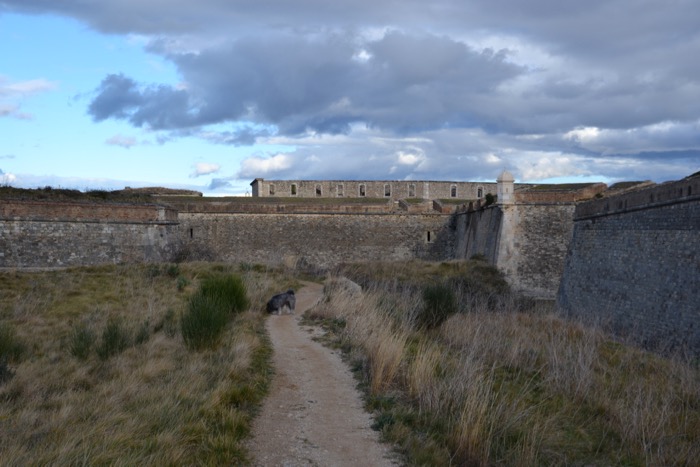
(505, 184)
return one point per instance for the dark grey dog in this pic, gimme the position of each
(279, 301)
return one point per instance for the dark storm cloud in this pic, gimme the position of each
(159, 107)
(406, 83)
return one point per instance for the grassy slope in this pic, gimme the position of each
(154, 403)
(496, 386)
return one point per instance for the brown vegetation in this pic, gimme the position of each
(103, 376)
(507, 382)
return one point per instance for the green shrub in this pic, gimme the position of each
(210, 309)
(204, 320)
(182, 282)
(229, 289)
(81, 340)
(439, 303)
(170, 323)
(173, 270)
(6, 372)
(11, 348)
(115, 339)
(143, 334)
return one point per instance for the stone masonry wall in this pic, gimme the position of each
(64, 211)
(26, 244)
(46, 234)
(526, 241)
(321, 240)
(478, 233)
(634, 266)
(533, 244)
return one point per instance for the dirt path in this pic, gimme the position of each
(313, 414)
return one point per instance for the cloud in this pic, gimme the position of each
(7, 179)
(441, 89)
(219, 184)
(204, 168)
(121, 140)
(11, 93)
(24, 88)
(257, 166)
(303, 84)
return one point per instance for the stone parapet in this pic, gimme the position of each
(657, 195)
(85, 212)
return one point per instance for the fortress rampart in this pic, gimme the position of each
(526, 241)
(633, 265)
(57, 234)
(321, 240)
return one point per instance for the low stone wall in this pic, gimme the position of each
(553, 195)
(634, 266)
(238, 207)
(65, 211)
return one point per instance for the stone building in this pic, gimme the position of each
(389, 189)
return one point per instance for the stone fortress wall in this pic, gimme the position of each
(630, 259)
(525, 235)
(633, 265)
(41, 234)
(316, 239)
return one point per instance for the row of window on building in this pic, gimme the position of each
(362, 190)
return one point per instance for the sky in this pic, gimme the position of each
(208, 95)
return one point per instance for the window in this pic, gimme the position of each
(479, 193)
(387, 190)
(412, 190)
(191, 233)
(318, 190)
(294, 189)
(453, 191)
(429, 237)
(363, 191)
(340, 190)
(272, 189)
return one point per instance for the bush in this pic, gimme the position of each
(229, 289)
(115, 339)
(210, 309)
(439, 303)
(143, 334)
(204, 321)
(6, 372)
(182, 282)
(172, 270)
(81, 341)
(11, 349)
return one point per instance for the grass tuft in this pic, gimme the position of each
(115, 339)
(81, 341)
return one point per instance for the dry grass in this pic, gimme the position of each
(154, 403)
(513, 388)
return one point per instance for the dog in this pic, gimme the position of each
(279, 301)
